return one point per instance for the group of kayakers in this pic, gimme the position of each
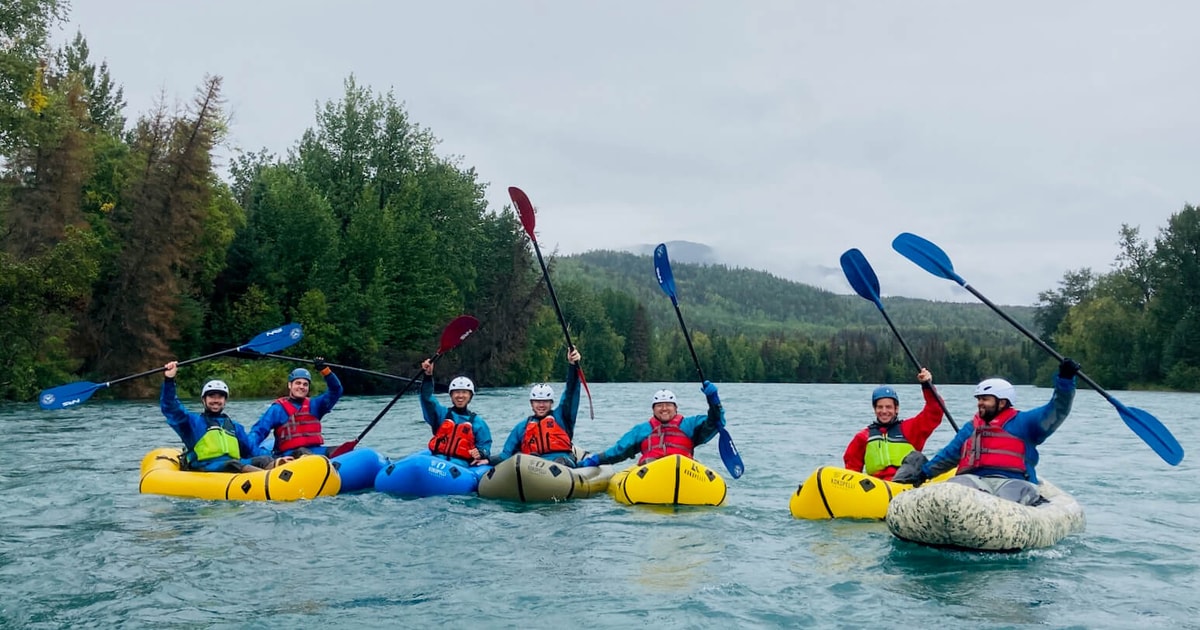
(215, 443)
(995, 452)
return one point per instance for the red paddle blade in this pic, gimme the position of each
(588, 390)
(525, 209)
(456, 331)
(345, 447)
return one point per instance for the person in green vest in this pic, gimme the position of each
(879, 449)
(212, 441)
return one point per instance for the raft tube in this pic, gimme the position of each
(531, 479)
(423, 475)
(831, 492)
(672, 480)
(303, 478)
(358, 469)
(960, 517)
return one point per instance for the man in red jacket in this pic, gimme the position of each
(878, 449)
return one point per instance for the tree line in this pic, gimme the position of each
(1137, 325)
(124, 247)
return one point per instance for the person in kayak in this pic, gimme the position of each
(666, 432)
(296, 418)
(548, 433)
(997, 451)
(212, 441)
(879, 449)
(459, 434)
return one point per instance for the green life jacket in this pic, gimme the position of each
(220, 439)
(885, 448)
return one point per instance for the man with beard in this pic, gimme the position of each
(212, 442)
(997, 451)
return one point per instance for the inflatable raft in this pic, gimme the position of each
(672, 480)
(303, 478)
(423, 475)
(358, 469)
(531, 479)
(831, 492)
(960, 517)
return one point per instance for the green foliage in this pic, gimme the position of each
(124, 248)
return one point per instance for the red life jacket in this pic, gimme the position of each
(666, 438)
(990, 446)
(545, 436)
(301, 429)
(453, 440)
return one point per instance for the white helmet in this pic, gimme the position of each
(462, 382)
(663, 395)
(998, 387)
(214, 386)
(541, 391)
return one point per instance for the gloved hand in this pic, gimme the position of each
(319, 364)
(1068, 368)
(916, 477)
(589, 461)
(710, 392)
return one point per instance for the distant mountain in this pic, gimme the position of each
(716, 297)
(681, 252)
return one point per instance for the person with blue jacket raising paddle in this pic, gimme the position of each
(548, 433)
(666, 432)
(296, 418)
(997, 451)
(459, 434)
(212, 441)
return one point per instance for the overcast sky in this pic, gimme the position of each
(1017, 136)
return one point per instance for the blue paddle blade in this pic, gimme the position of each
(662, 269)
(729, 455)
(275, 340)
(1152, 432)
(860, 275)
(927, 256)
(67, 395)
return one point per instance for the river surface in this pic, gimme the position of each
(80, 547)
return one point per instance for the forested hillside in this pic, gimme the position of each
(123, 247)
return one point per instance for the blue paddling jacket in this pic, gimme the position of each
(701, 428)
(1032, 427)
(190, 427)
(435, 414)
(564, 414)
(277, 416)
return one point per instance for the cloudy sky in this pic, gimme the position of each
(1017, 136)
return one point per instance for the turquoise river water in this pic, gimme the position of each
(80, 547)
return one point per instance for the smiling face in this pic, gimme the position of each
(541, 408)
(460, 398)
(988, 406)
(886, 410)
(664, 411)
(298, 388)
(214, 402)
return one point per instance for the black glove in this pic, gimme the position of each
(319, 364)
(912, 470)
(1068, 368)
(920, 478)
